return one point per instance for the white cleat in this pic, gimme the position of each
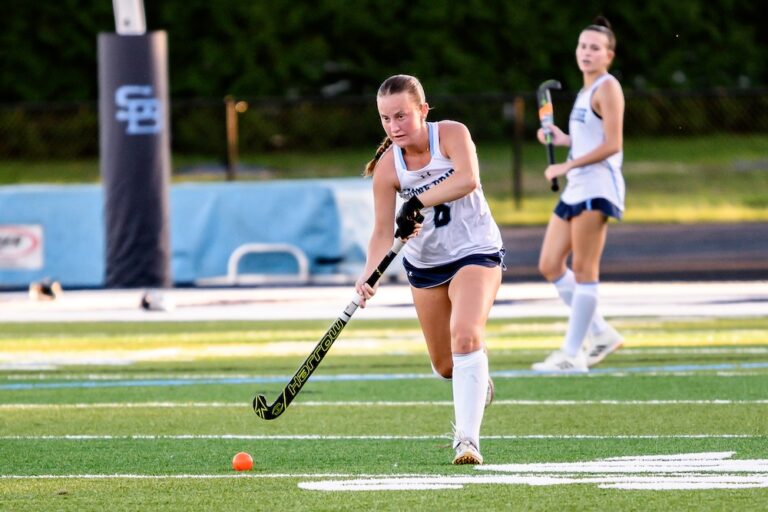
(560, 362)
(605, 343)
(466, 452)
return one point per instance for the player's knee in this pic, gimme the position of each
(465, 340)
(551, 270)
(584, 273)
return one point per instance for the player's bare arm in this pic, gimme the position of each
(456, 144)
(385, 187)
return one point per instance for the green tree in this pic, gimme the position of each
(299, 48)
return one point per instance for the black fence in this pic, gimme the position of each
(62, 131)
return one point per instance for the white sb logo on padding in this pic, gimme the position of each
(138, 106)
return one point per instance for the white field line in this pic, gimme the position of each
(689, 480)
(134, 476)
(618, 374)
(26, 361)
(695, 351)
(621, 375)
(423, 403)
(318, 437)
(737, 374)
(653, 351)
(34, 372)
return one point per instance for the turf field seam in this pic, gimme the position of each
(690, 351)
(338, 403)
(368, 377)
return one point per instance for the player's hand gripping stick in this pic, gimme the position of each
(408, 216)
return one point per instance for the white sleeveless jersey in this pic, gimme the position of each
(451, 230)
(600, 179)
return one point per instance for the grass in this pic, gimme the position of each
(717, 178)
(159, 432)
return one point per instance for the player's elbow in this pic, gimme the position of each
(469, 184)
(613, 142)
(611, 147)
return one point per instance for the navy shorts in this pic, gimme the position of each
(442, 274)
(568, 211)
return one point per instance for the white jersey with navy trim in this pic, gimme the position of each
(600, 179)
(451, 230)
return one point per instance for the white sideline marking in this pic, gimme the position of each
(692, 471)
(404, 482)
(423, 403)
(136, 476)
(695, 351)
(318, 437)
(515, 300)
(130, 405)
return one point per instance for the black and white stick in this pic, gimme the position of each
(270, 412)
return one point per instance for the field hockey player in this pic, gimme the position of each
(454, 254)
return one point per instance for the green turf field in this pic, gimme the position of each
(122, 416)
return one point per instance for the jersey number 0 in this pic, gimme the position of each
(442, 215)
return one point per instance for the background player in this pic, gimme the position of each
(595, 192)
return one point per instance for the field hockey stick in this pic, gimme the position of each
(547, 117)
(270, 412)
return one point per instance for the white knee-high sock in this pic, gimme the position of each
(470, 384)
(583, 308)
(565, 285)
